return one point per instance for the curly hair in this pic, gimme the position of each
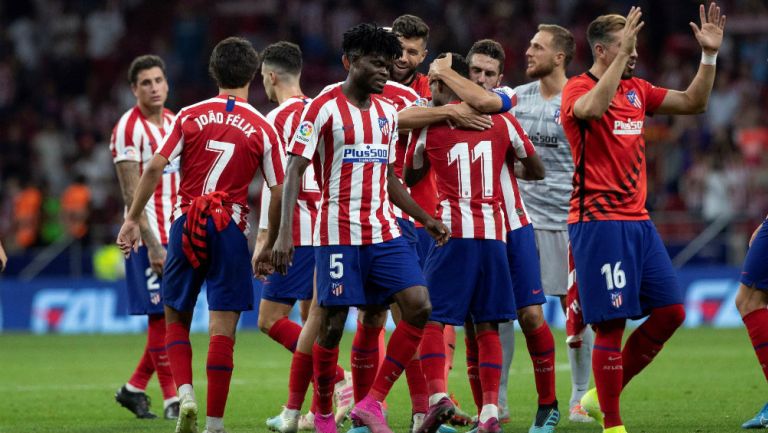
(368, 39)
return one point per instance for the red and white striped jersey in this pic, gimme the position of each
(285, 119)
(222, 142)
(350, 149)
(401, 97)
(467, 166)
(136, 139)
(510, 192)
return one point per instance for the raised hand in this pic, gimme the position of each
(440, 66)
(710, 35)
(631, 29)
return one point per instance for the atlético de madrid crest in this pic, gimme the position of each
(633, 99)
(384, 125)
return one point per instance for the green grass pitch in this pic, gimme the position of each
(705, 380)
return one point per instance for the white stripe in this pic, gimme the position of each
(357, 183)
(305, 223)
(334, 182)
(467, 222)
(489, 221)
(508, 195)
(376, 203)
(445, 214)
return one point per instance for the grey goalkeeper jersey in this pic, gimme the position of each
(547, 201)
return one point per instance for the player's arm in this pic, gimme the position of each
(3, 258)
(400, 198)
(462, 115)
(476, 96)
(261, 236)
(593, 104)
(282, 251)
(415, 166)
(128, 178)
(695, 98)
(529, 168)
(128, 238)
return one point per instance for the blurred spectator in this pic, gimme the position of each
(75, 204)
(27, 206)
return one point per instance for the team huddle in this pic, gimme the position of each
(445, 199)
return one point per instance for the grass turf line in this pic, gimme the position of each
(704, 381)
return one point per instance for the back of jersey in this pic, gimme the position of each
(222, 142)
(467, 166)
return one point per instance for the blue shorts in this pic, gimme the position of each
(525, 267)
(469, 278)
(143, 285)
(755, 271)
(426, 242)
(408, 230)
(622, 269)
(228, 274)
(363, 275)
(297, 285)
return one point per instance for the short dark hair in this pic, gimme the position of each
(458, 63)
(142, 63)
(411, 26)
(599, 30)
(562, 40)
(490, 48)
(233, 63)
(366, 39)
(283, 55)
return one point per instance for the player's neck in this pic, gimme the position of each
(283, 93)
(240, 92)
(153, 115)
(552, 84)
(356, 95)
(597, 70)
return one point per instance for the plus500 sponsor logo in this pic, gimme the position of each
(630, 127)
(366, 153)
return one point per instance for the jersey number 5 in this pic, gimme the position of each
(224, 153)
(459, 154)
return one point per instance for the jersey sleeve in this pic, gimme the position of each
(654, 96)
(520, 142)
(304, 141)
(572, 91)
(273, 157)
(173, 142)
(122, 142)
(266, 196)
(415, 156)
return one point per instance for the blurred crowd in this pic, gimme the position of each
(63, 86)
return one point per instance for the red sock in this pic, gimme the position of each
(219, 368)
(156, 348)
(298, 381)
(417, 386)
(402, 346)
(339, 374)
(489, 351)
(179, 352)
(143, 372)
(541, 347)
(433, 358)
(473, 372)
(449, 336)
(607, 368)
(324, 372)
(647, 340)
(365, 359)
(285, 332)
(757, 327)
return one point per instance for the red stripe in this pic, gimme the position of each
(518, 202)
(128, 132)
(326, 170)
(529, 148)
(345, 184)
